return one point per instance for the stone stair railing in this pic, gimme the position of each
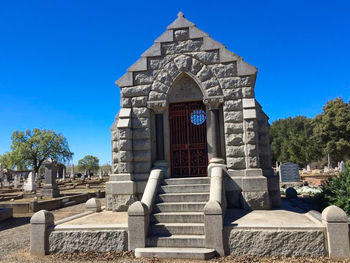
(214, 211)
(139, 212)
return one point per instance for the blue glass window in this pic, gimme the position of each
(198, 117)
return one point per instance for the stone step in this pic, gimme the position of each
(189, 180)
(184, 188)
(178, 217)
(182, 197)
(176, 252)
(179, 207)
(163, 229)
(176, 241)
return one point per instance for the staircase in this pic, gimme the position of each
(177, 222)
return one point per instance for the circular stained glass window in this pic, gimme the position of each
(198, 117)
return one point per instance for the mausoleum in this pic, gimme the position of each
(191, 166)
(186, 104)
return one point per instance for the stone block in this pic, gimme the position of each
(167, 36)
(124, 123)
(207, 57)
(243, 68)
(235, 151)
(142, 167)
(125, 133)
(140, 112)
(194, 32)
(233, 116)
(247, 92)
(233, 105)
(119, 202)
(125, 156)
(225, 70)
(256, 200)
(125, 80)
(139, 145)
(124, 113)
(249, 103)
(135, 91)
(142, 78)
(115, 135)
(196, 66)
(125, 102)
(211, 44)
(125, 167)
(232, 94)
(250, 137)
(233, 128)
(204, 74)
(124, 145)
(250, 125)
(154, 95)
(139, 134)
(140, 122)
(227, 56)
(182, 46)
(249, 114)
(235, 163)
(254, 183)
(142, 156)
(120, 187)
(183, 62)
(153, 51)
(115, 157)
(214, 91)
(234, 139)
(139, 101)
(139, 65)
(121, 177)
(251, 150)
(252, 162)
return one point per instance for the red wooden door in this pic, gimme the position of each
(188, 139)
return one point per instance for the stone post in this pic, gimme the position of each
(137, 225)
(39, 234)
(93, 204)
(214, 128)
(337, 227)
(214, 235)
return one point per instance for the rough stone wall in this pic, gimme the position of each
(298, 243)
(264, 140)
(88, 240)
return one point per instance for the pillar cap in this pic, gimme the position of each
(93, 204)
(42, 217)
(137, 209)
(334, 214)
(212, 208)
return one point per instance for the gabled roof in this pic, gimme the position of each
(181, 22)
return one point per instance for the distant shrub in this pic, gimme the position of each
(336, 191)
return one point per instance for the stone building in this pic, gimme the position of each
(186, 103)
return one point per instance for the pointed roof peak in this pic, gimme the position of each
(180, 14)
(180, 22)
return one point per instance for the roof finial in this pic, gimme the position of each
(180, 14)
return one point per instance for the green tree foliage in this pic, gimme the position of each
(34, 147)
(336, 191)
(12, 160)
(292, 140)
(332, 130)
(90, 163)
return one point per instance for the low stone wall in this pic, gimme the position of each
(88, 240)
(274, 242)
(5, 213)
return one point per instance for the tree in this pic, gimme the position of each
(89, 162)
(12, 160)
(292, 140)
(34, 147)
(332, 130)
(336, 191)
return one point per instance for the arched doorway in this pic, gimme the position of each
(188, 129)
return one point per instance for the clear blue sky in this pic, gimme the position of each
(59, 59)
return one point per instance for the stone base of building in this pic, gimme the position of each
(120, 192)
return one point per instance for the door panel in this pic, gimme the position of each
(188, 139)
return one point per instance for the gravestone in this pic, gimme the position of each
(29, 184)
(16, 181)
(50, 186)
(289, 173)
(308, 168)
(341, 166)
(72, 173)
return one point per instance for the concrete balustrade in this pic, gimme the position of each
(214, 212)
(139, 212)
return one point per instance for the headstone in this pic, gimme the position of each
(72, 173)
(64, 173)
(83, 177)
(16, 182)
(289, 173)
(326, 169)
(341, 166)
(308, 168)
(58, 175)
(29, 184)
(50, 186)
